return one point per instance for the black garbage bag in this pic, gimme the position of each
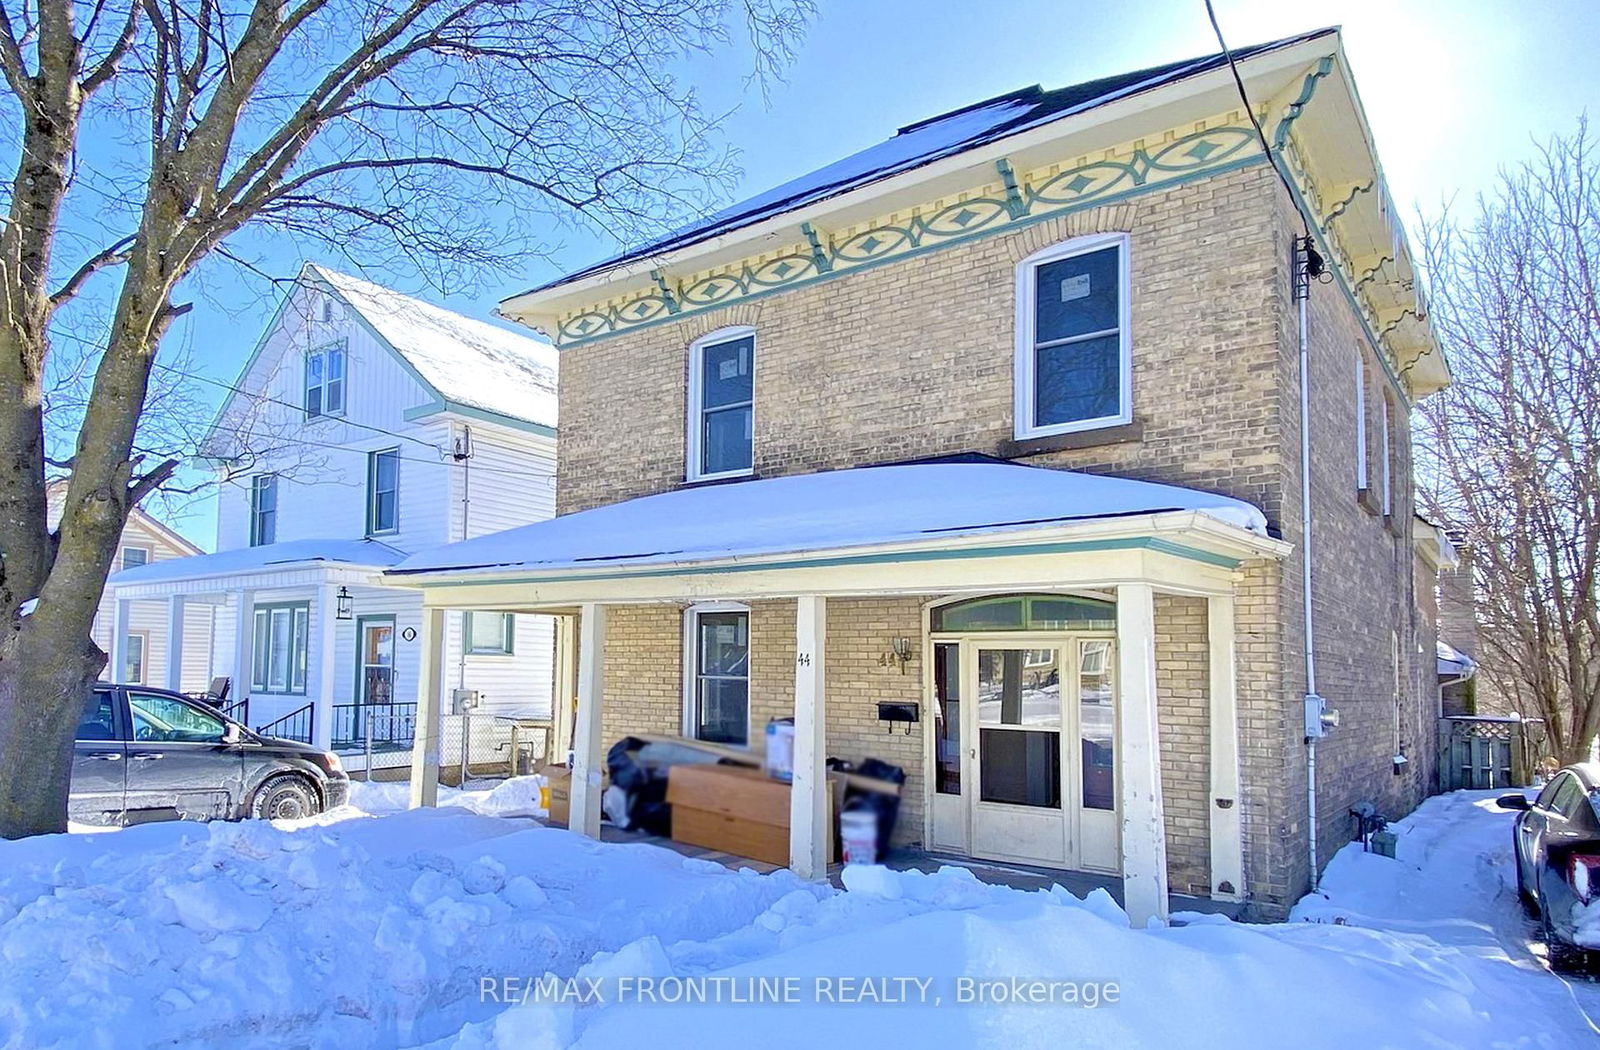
(645, 787)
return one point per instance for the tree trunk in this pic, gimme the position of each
(44, 680)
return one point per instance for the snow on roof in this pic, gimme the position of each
(1452, 662)
(823, 511)
(926, 141)
(246, 560)
(465, 361)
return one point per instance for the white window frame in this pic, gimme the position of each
(1024, 351)
(258, 482)
(691, 666)
(1363, 453)
(122, 555)
(696, 398)
(326, 351)
(508, 639)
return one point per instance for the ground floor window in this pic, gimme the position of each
(490, 633)
(137, 652)
(282, 637)
(719, 683)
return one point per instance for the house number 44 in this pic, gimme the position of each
(803, 659)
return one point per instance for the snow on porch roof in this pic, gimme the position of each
(825, 511)
(266, 558)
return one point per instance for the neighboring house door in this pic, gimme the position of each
(1029, 761)
(99, 762)
(178, 760)
(375, 685)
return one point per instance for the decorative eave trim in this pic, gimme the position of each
(485, 415)
(1199, 150)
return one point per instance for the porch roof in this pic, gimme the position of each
(861, 507)
(247, 562)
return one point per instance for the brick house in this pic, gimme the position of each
(1000, 422)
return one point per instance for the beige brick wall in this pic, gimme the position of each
(914, 359)
(1183, 703)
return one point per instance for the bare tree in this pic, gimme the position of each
(1513, 447)
(444, 132)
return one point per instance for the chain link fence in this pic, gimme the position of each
(475, 744)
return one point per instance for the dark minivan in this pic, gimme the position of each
(1557, 844)
(147, 754)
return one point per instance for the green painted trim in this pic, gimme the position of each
(510, 635)
(1007, 227)
(356, 696)
(1150, 543)
(434, 408)
(256, 609)
(371, 490)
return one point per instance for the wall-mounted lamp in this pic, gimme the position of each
(902, 652)
(344, 605)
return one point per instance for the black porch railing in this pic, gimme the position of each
(296, 725)
(238, 710)
(393, 726)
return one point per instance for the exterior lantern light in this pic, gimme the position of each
(345, 607)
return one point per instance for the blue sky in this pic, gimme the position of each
(1453, 90)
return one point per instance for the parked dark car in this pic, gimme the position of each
(147, 754)
(1557, 844)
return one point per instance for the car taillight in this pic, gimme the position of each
(1585, 876)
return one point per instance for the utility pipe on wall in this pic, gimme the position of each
(1307, 265)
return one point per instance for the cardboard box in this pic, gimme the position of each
(736, 810)
(558, 782)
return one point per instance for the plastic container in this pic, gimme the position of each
(779, 760)
(858, 835)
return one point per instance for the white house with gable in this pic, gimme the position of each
(366, 425)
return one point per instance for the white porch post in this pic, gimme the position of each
(327, 641)
(175, 643)
(243, 644)
(809, 830)
(1227, 822)
(117, 668)
(1144, 837)
(589, 721)
(425, 746)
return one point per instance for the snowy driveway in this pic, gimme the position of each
(405, 930)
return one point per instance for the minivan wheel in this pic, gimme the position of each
(286, 797)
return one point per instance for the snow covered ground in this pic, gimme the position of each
(451, 930)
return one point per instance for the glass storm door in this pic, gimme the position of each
(377, 661)
(1024, 760)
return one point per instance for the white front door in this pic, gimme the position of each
(1025, 750)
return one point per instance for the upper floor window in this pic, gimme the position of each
(325, 382)
(263, 509)
(134, 556)
(1363, 453)
(1073, 353)
(383, 491)
(722, 404)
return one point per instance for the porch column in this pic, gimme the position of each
(327, 643)
(425, 746)
(175, 643)
(1227, 822)
(588, 721)
(809, 827)
(243, 644)
(1144, 836)
(117, 667)
(565, 688)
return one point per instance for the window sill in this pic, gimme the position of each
(1116, 434)
(496, 655)
(1367, 499)
(718, 479)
